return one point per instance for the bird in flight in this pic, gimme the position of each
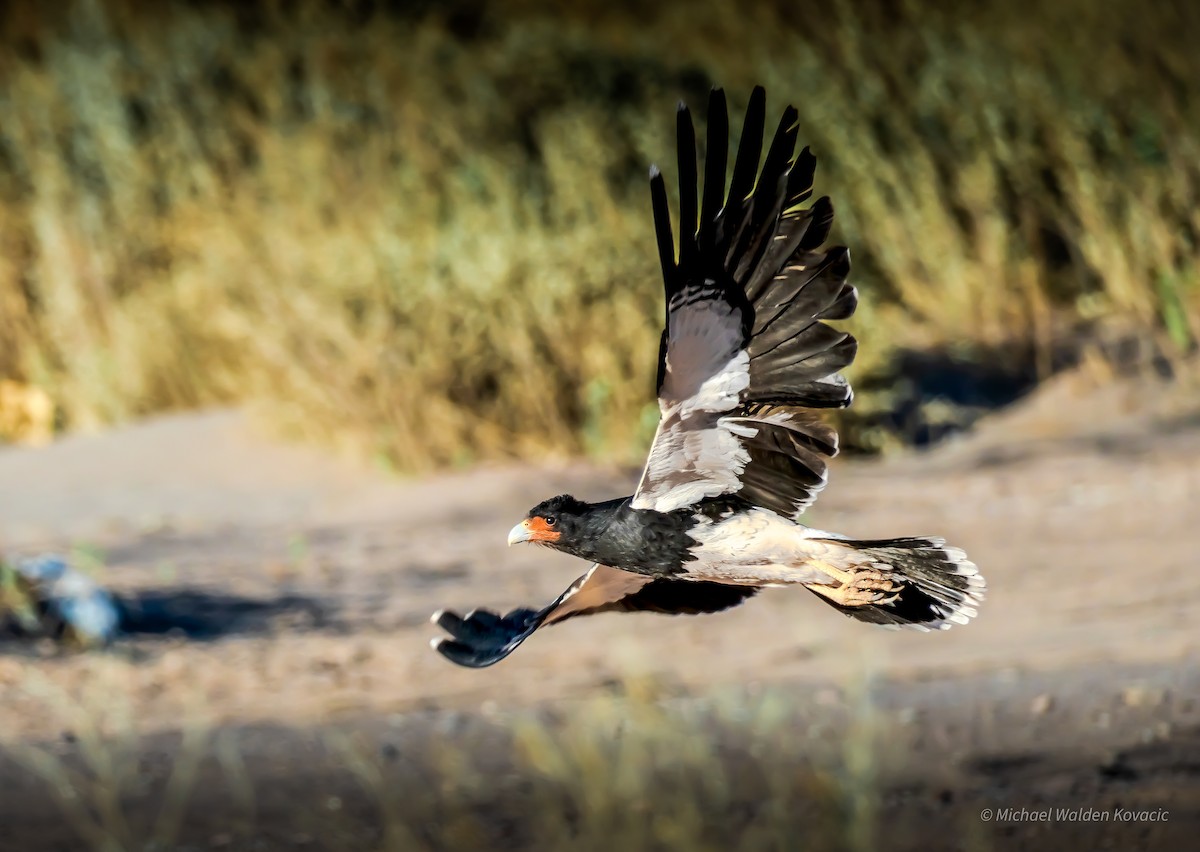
(745, 364)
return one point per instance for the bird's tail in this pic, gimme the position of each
(914, 582)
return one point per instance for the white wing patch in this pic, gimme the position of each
(696, 453)
(690, 461)
(707, 368)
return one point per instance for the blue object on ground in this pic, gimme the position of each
(67, 603)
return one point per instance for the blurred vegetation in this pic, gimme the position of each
(422, 232)
(632, 770)
(18, 610)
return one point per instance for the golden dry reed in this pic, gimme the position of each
(425, 236)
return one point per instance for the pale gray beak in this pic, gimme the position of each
(519, 533)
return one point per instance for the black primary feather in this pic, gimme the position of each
(688, 214)
(714, 166)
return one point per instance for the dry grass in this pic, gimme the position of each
(92, 791)
(628, 770)
(425, 237)
(17, 607)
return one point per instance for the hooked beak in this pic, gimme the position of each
(533, 529)
(520, 533)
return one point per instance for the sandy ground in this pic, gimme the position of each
(284, 594)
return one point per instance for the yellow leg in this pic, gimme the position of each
(861, 587)
(843, 577)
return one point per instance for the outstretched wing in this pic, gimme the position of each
(745, 357)
(483, 637)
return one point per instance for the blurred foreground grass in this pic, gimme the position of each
(628, 770)
(424, 235)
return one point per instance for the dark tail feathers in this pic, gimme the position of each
(941, 587)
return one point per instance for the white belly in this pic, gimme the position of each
(757, 548)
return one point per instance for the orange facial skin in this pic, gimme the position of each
(539, 530)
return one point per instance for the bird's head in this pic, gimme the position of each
(556, 523)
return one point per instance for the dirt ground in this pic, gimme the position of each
(281, 599)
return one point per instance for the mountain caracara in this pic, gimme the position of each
(745, 363)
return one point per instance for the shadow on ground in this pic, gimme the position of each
(196, 614)
(199, 614)
(925, 396)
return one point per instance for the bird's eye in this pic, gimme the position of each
(550, 520)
